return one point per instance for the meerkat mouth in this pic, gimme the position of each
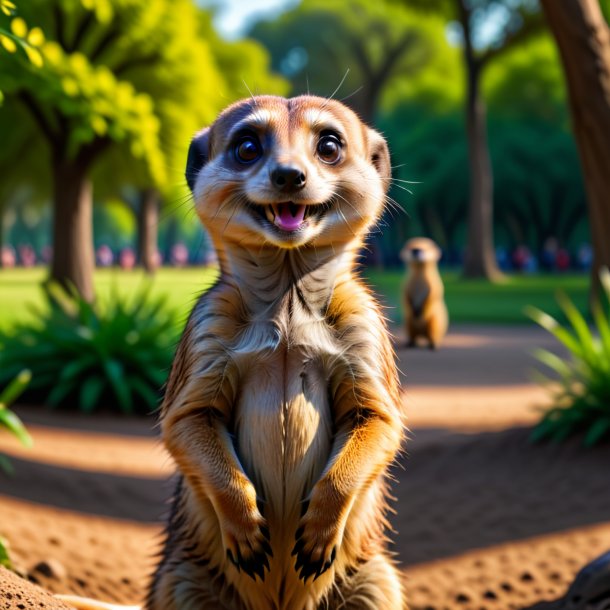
(289, 216)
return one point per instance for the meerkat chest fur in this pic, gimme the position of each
(284, 358)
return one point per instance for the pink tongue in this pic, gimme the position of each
(284, 218)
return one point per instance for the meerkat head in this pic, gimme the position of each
(419, 251)
(288, 172)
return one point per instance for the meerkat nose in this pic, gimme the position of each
(287, 178)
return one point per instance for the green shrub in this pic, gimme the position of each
(582, 393)
(115, 357)
(10, 422)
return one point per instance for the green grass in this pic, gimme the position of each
(20, 287)
(481, 302)
(468, 300)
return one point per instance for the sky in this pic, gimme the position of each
(233, 17)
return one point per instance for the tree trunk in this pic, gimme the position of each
(73, 261)
(148, 229)
(583, 38)
(480, 258)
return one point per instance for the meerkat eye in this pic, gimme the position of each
(248, 149)
(329, 148)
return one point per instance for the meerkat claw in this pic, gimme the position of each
(306, 567)
(298, 547)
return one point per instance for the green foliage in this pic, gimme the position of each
(8, 419)
(114, 225)
(4, 556)
(371, 46)
(114, 357)
(132, 79)
(528, 80)
(15, 36)
(435, 196)
(493, 25)
(10, 422)
(605, 4)
(535, 197)
(244, 64)
(582, 399)
(137, 74)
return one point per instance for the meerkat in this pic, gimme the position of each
(282, 409)
(423, 293)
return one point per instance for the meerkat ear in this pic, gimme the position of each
(379, 155)
(198, 156)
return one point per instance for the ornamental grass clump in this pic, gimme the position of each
(90, 357)
(581, 392)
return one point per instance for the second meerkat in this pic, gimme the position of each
(424, 306)
(282, 408)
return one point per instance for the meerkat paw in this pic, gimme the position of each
(317, 539)
(247, 546)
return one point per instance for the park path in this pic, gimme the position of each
(480, 379)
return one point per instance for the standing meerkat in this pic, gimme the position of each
(282, 408)
(423, 294)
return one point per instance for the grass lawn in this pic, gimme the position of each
(19, 288)
(468, 300)
(481, 302)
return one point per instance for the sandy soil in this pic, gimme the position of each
(484, 519)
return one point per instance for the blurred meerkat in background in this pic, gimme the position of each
(423, 293)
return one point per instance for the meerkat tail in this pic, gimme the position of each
(84, 603)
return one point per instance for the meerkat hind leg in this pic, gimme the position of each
(374, 586)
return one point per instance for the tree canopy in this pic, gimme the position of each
(358, 50)
(121, 88)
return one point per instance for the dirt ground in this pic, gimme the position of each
(484, 519)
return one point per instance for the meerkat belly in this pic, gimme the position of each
(284, 430)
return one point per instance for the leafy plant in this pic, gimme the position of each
(582, 396)
(10, 421)
(116, 356)
(13, 424)
(5, 560)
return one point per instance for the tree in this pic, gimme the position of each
(535, 196)
(102, 62)
(360, 45)
(18, 143)
(583, 37)
(519, 19)
(235, 61)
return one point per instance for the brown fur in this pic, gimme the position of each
(282, 407)
(423, 294)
